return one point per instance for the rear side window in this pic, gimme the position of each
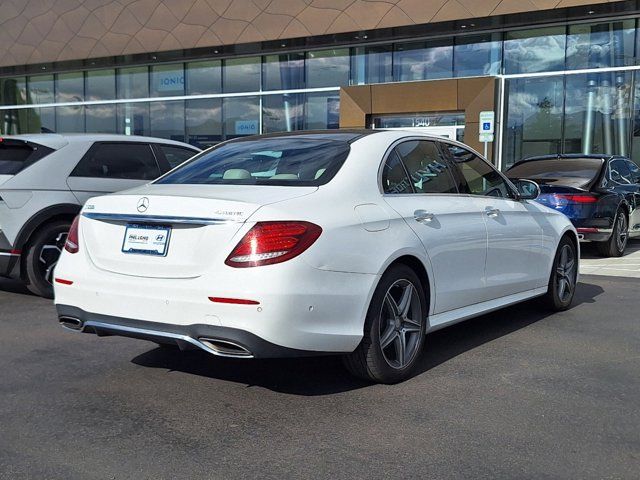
(15, 155)
(175, 155)
(128, 161)
(635, 172)
(291, 161)
(428, 170)
(394, 176)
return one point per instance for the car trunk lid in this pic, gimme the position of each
(200, 222)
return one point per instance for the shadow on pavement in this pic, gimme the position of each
(588, 251)
(13, 286)
(325, 375)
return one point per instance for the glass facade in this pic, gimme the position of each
(547, 108)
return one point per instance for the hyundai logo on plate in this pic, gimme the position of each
(143, 204)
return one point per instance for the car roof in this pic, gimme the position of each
(59, 140)
(352, 135)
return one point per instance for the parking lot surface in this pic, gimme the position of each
(514, 394)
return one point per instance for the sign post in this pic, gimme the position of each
(487, 129)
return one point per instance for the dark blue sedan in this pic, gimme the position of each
(599, 193)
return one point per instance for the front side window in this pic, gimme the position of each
(291, 161)
(428, 170)
(126, 161)
(479, 177)
(635, 172)
(619, 172)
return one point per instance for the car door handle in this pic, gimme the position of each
(423, 216)
(492, 212)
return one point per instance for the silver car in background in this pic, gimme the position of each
(46, 178)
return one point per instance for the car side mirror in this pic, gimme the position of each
(527, 189)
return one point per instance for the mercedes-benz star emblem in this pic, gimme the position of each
(143, 204)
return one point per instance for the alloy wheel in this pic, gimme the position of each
(49, 255)
(621, 232)
(400, 324)
(566, 273)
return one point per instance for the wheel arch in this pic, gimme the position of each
(417, 265)
(46, 215)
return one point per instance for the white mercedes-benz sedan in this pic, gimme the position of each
(340, 242)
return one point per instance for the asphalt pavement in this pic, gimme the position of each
(519, 393)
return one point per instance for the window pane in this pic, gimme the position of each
(70, 119)
(100, 118)
(372, 65)
(241, 75)
(478, 55)
(282, 113)
(118, 160)
(204, 122)
(283, 72)
(394, 176)
(42, 120)
(322, 111)
(70, 87)
(480, 177)
(427, 169)
(597, 113)
(13, 91)
(133, 119)
(539, 50)
(41, 89)
(133, 82)
(423, 60)
(204, 77)
(101, 85)
(534, 118)
(328, 68)
(167, 120)
(167, 80)
(241, 116)
(601, 45)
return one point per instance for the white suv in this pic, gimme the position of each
(46, 178)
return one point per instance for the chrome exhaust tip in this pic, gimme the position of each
(71, 323)
(580, 236)
(225, 347)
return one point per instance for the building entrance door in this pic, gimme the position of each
(447, 125)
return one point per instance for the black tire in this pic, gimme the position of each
(558, 299)
(42, 255)
(617, 243)
(383, 365)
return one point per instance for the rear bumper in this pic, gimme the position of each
(219, 341)
(592, 234)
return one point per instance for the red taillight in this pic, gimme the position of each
(273, 242)
(73, 242)
(576, 198)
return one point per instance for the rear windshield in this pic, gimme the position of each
(18, 155)
(291, 161)
(562, 171)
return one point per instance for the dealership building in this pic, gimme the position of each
(560, 75)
